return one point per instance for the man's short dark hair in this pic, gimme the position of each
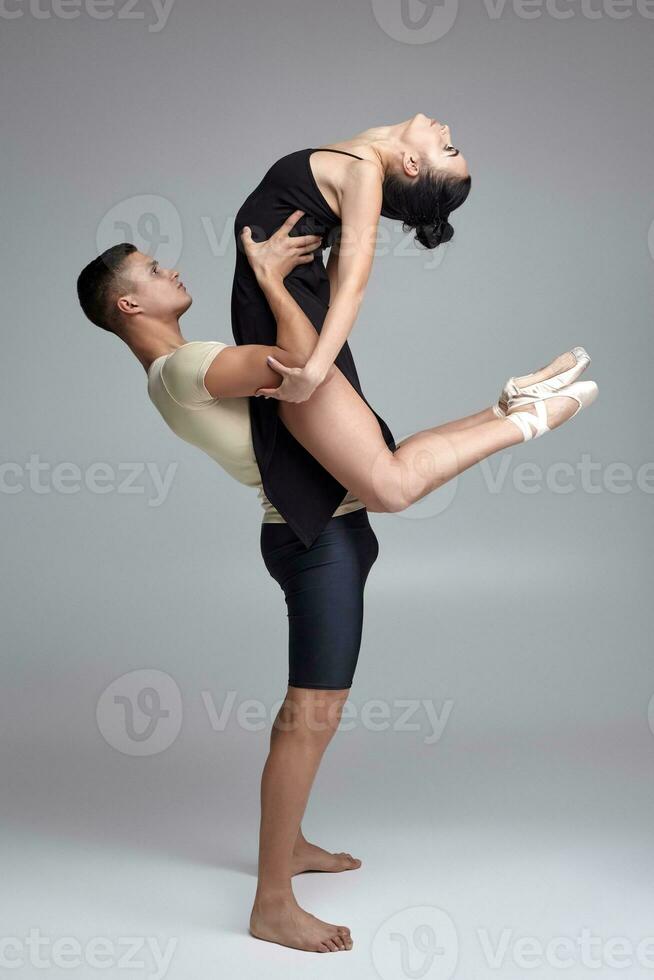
(97, 284)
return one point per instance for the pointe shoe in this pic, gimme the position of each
(532, 426)
(559, 377)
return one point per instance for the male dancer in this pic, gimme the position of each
(127, 293)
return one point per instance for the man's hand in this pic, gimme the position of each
(279, 254)
(298, 384)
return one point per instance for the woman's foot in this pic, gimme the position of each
(533, 417)
(283, 921)
(563, 370)
(310, 857)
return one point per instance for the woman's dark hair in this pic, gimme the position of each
(97, 282)
(425, 203)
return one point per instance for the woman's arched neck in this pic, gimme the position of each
(380, 144)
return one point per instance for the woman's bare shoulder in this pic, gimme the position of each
(363, 169)
(343, 178)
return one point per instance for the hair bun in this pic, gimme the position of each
(433, 235)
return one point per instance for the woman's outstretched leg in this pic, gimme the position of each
(337, 427)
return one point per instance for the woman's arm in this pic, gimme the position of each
(348, 271)
(332, 271)
(360, 209)
(252, 369)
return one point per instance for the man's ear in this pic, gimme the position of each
(410, 164)
(128, 305)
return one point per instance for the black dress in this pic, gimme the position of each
(303, 492)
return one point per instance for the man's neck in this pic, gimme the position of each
(152, 339)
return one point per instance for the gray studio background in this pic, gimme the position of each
(513, 797)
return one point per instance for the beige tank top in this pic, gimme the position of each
(220, 427)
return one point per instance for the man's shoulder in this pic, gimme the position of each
(184, 369)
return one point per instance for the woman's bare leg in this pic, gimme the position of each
(339, 430)
(337, 427)
(303, 728)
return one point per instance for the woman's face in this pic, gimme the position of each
(427, 142)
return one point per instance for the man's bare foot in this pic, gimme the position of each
(310, 857)
(283, 921)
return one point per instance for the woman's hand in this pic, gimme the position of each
(298, 384)
(278, 255)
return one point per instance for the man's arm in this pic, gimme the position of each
(242, 370)
(271, 261)
(295, 331)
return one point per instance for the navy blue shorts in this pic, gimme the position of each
(323, 587)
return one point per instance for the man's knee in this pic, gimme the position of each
(313, 714)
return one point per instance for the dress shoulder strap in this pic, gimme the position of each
(329, 149)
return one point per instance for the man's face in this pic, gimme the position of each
(151, 289)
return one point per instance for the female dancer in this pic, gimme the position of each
(409, 171)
